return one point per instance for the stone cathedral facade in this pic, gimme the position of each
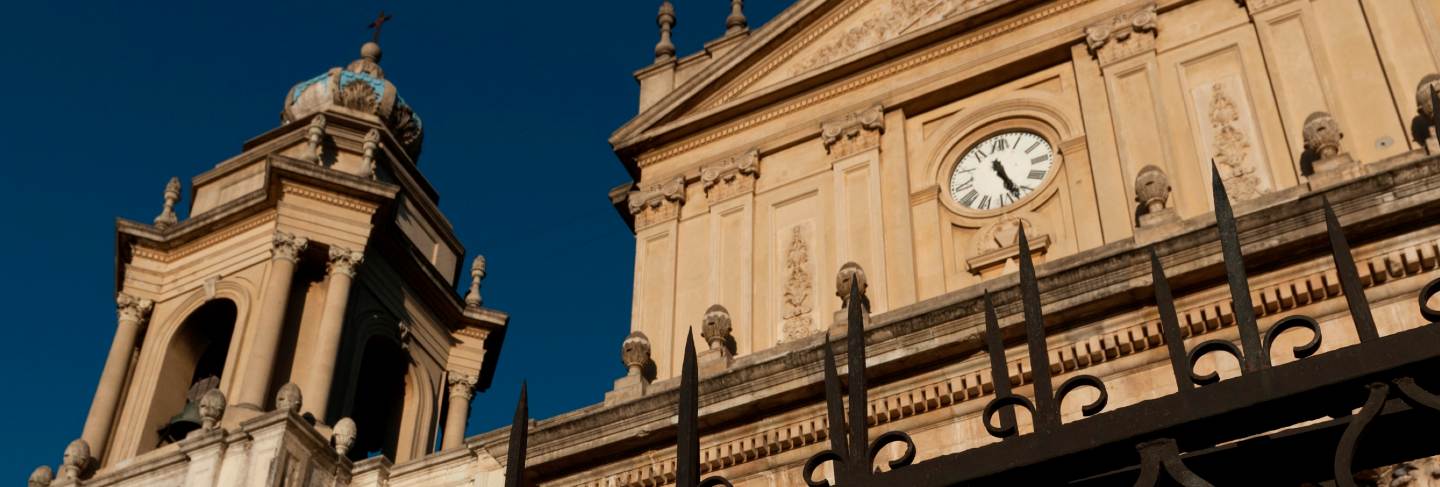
(915, 138)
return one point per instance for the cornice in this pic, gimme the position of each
(140, 249)
(855, 63)
(1078, 290)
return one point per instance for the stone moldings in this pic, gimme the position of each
(796, 305)
(854, 132)
(1230, 147)
(1122, 36)
(923, 58)
(731, 176)
(659, 202)
(968, 385)
(893, 20)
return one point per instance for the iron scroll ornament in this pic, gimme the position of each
(851, 455)
(1045, 409)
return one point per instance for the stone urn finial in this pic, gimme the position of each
(1322, 135)
(344, 436)
(665, 19)
(850, 274)
(370, 149)
(314, 135)
(1152, 189)
(635, 353)
(715, 327)
(41, 477)
(1422, 94)
(76, 461)
(288, 398)
(167, 216)
(212, 408)
(477, 274)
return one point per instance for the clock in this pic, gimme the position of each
(1001, 169)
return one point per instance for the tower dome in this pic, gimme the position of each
(358, 89)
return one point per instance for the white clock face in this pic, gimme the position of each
(1001, 170)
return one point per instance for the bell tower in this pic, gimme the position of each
(316, 265)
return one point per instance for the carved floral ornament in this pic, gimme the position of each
(133, 309)
(344, 261)
(288, 246)
(1123, 35)
(462, 386)
(796, 305)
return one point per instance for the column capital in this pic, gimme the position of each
(462, 385)
(288, 246)
(343, 260)
(132, 308)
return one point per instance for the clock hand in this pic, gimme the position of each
(1004, 178)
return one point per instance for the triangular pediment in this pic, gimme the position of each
(850, 28)
(805, 39)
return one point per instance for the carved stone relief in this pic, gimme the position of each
(894, 19)
(1122, 36)
(854, 132)
(657, 203)
(1230, 142)
(997, 245)
(731, 176)
(796, 305)
(358, 96)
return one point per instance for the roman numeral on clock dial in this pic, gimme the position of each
(1001, 170)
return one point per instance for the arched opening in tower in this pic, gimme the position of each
(194, 363)
(379, 399)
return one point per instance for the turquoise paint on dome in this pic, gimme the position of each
(300, 88)
(347, 77)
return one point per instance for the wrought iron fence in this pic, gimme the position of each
(1240, 431)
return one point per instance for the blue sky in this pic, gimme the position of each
(108, 100)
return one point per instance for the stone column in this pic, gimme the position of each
(462, 389)
(255, 379)
(332, 325)
(133, 313)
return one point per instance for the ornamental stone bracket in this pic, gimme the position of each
(1122, 36)
(854, 132)
(997, 248)
(659, 202)
(731, 176)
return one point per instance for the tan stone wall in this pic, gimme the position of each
(1205, 80)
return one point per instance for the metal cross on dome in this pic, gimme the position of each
(379, 21)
